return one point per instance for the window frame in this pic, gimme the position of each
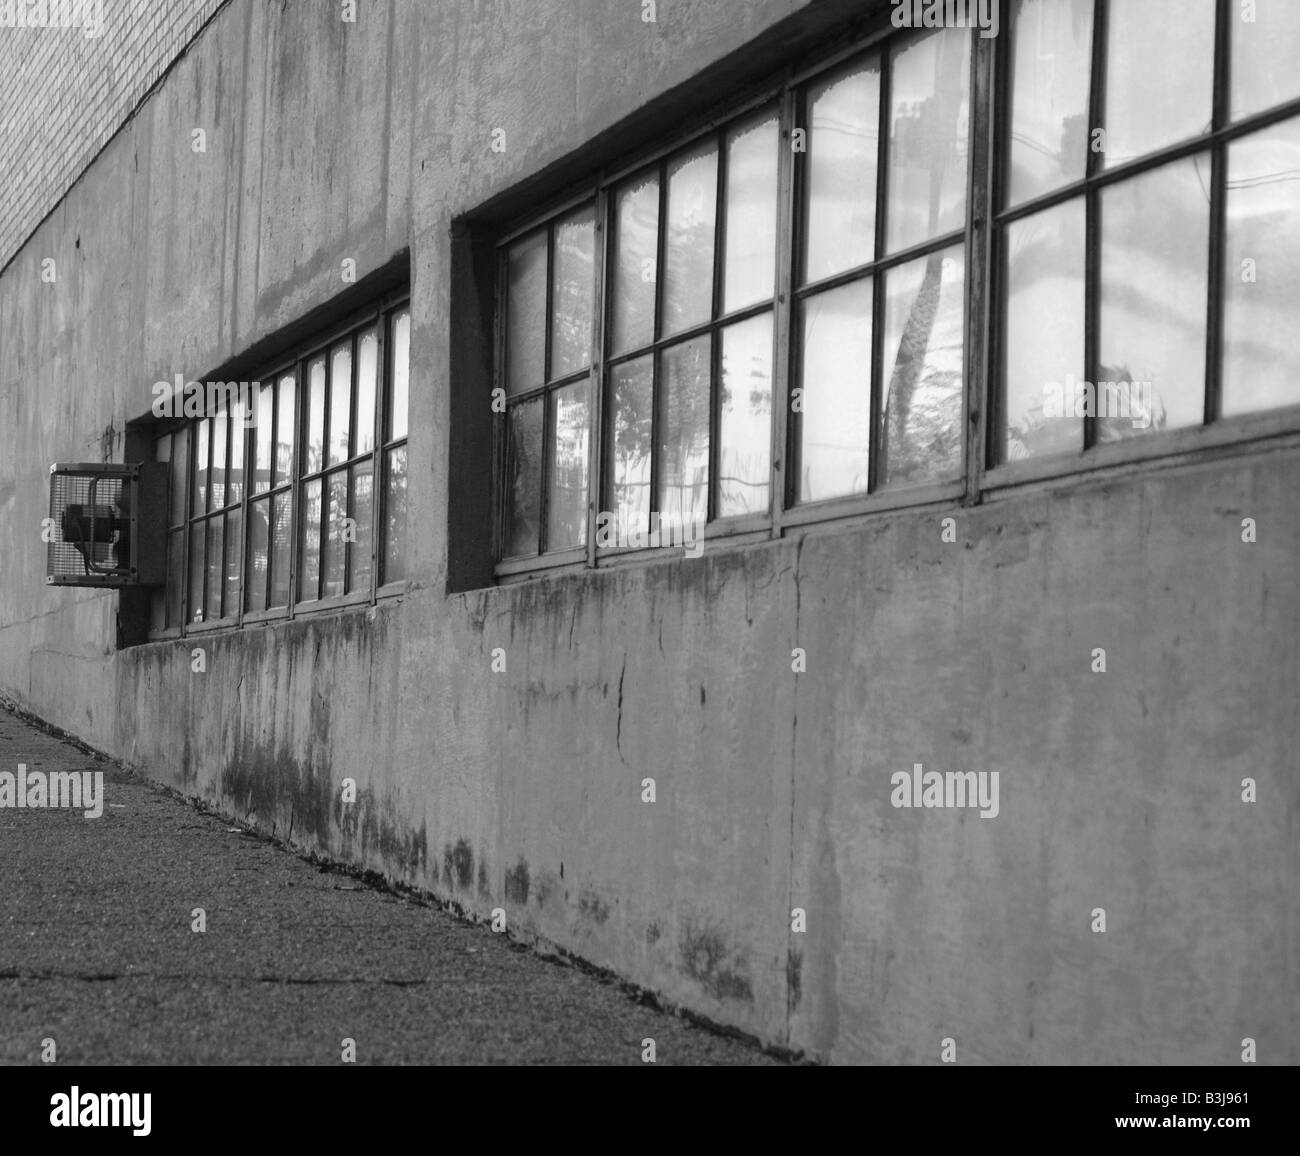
(1214, 431)
(379, 313)
(786, 93)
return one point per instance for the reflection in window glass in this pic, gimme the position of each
(526, 313)
(749, 266)
(285, 438)
(202, 459)
(688, 260)
(234, 559)
(684, 468)
(180, 476)
(401, 375)
(315, 416)
(843, 143)
(362, 505)
(630, 453)
(921, 427)
(217, 497)
(175, 576)
(259, 544)
(309, 572)
(745, 419)
(1154, 245)
(929, 118)
(334, 544)
(636, 229)
(1051, 60)
(566, 515)
(1261, 283)
(572, 291)
(212, 606)
(1264, 55)
(340, 402)
(197, 571)
(281, 546)
(1149, 104)
(835, 419)
(395, 546)
(523, 477)
(262, 438)
(1042, 347)
(367, 379)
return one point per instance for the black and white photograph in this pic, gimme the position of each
(540, 534)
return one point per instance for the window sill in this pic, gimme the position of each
(1167, 448)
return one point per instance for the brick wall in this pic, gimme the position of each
(63, 93)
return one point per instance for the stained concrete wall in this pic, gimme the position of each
(523, 789)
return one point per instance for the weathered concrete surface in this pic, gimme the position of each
(1118, 790)
(98, 952)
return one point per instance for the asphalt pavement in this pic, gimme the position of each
(99, 952)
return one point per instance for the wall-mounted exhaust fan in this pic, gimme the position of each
(108, 525)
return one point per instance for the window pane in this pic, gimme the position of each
(571, 293)
(309, 567)
(315, 415)
(162, 448)
(749, 269)
(262, 438)
(286, 430)
(395, 517)
(213, 531)
(201, 462)
(334, 546)
(1149, 104)
(835, 418)
(363, 495)
(1154, 249)
(175, 575)
(197, 571)
(631, 423)
(1042, 347)
(281, 544)
(401, 360)
(217, 496)
(259, 542)
(843, 145)
(928, 119)
(340, 402)
(523, 478)
(526, 314)
(234, 558)
(921, 423)
(1264, 53)
(692, 211)
(684, 462)
(180, 475)
(636, 232)
(235, 474)
(1262, 299)
(1051, 62)
(745, 422)
(566, 516)
(367, 379)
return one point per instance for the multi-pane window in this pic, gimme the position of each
(767, 322)
(1148, 233)
(274, 501)
(714, 293)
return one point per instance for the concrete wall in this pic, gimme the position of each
(524, 789)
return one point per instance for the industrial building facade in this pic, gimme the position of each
(791, 502)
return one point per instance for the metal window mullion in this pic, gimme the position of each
(875, 386)
(602, 253)
(978, 313)
(379, 461)
(1092, 211)
(714, 472)
(1218, 238)
(788, 246)
(656, 358)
